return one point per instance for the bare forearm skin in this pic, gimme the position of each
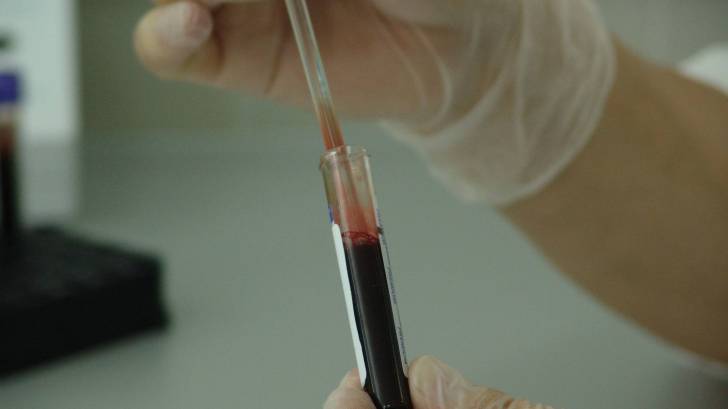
(640, 218)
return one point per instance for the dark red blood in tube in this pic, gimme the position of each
(8, 188)
(385, 381)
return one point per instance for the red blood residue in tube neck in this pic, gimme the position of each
(357, 238)
(359, 222)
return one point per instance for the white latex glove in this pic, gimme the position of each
(433, 385)
(499, 95)
(541, 72)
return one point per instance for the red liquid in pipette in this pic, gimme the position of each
(330, 130)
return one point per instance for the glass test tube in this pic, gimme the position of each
(9, 207)
(366, 277)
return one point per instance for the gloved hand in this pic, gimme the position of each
(433, 385)
(499, 95)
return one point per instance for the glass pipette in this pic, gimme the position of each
(358, 238)
(313, 66)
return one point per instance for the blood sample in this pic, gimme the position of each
(385, 379)
(364, 267)
(8, 184)
(366, 278)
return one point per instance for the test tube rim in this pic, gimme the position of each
(341, 153)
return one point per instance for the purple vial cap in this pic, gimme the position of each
(9, 88)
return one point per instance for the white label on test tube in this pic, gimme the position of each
(346, 285)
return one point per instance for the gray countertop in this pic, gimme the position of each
(258, 317)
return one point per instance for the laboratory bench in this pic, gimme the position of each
(257, 313)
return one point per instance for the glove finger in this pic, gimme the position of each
(434, 385)
(175, 41)
(349, 394)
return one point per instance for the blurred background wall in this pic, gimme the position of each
(118, 95)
